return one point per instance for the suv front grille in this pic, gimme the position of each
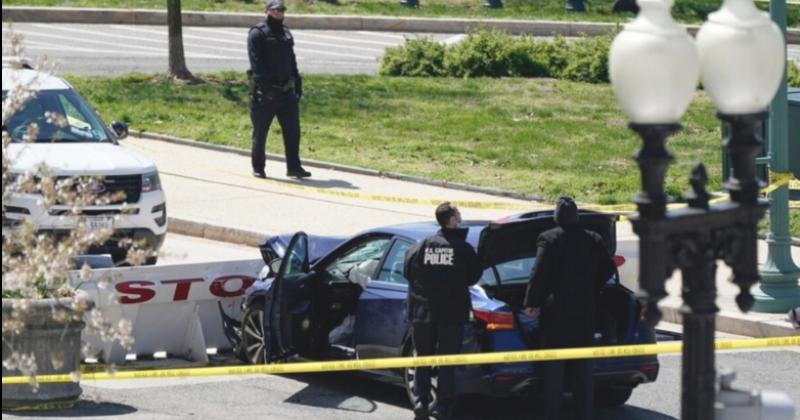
(129, 188)
(130, 185)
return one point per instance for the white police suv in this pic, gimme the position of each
(84, 146)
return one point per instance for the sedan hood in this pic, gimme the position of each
(513, 237)
(78, 159)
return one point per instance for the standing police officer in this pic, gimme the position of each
(275, 89)
(572, 265)
(440, 270)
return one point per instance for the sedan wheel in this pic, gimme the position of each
(409, 379)
(607, 397)
(253, 345)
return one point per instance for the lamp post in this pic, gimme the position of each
(654, 67)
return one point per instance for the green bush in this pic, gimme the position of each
(421, 57)
(481, 53)
(587, 60)
(527, 58)
(792, 74)
(555, 54)
(494, 53)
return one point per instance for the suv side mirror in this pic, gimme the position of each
(120, 129)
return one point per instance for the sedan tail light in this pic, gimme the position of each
(496, 321)
(619, 260)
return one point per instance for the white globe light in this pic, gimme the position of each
(654, 66)
(742, 57)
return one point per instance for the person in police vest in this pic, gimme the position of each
(275, 89)
(572, 265)
(439, 270)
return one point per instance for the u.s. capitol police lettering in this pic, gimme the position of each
(438, 256)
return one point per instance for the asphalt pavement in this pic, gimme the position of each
(356, 396)
(106, 50)
(117, 49)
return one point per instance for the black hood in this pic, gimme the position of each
(566, 213)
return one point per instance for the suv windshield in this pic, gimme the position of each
(81, 124)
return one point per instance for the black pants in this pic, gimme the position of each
(430, 339)
(579, 374)
(263, 108)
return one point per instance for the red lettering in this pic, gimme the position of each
(182, 288)
(217, 287)
(130, 288)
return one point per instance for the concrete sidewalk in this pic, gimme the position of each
(329, 22)
(211, 194)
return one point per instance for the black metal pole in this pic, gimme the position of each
(651, 202)
(743, 145)
(695, 256)
(693, 239)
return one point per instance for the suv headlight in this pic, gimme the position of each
(151, 182)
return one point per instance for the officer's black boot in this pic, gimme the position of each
(625, 6)
(298, 173)
(575, 6)
(443, 410)
(421, 410)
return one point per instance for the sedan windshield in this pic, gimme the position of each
(61, 116)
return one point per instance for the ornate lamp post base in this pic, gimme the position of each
(776, 294)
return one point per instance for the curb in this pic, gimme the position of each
(214, 232)
(736, 323)
(343, 168)
(328, 22)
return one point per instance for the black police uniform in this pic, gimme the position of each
(439, 270)
(275, 90)
(572, 265)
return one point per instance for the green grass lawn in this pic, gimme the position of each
(536, 136)
(689, 11)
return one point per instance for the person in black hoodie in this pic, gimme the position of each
(572, 265)
(275, 89)
(440, 270)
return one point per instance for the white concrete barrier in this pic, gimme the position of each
(173, 308)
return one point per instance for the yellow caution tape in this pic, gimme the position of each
(779, 180)
(404, 362)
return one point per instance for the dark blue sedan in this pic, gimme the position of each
(344, 298)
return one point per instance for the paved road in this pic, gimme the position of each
(116, 49)
(351, 396)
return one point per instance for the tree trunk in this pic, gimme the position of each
(177, 61)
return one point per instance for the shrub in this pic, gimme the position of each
(526, 58)
(421, 57)
(494, 53)
(555, 54)
(481, 53)
(792, 74)
(587, 60)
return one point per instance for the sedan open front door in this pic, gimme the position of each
(287, 313)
